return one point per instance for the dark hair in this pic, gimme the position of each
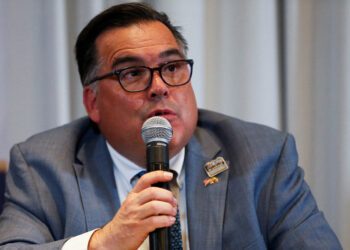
(122, 15)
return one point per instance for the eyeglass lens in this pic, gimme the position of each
(138, 78)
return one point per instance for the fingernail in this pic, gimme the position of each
(168, 174)
(172, 219)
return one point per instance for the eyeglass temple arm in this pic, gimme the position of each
(99, 78)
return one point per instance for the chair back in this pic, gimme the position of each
(2, 189)
(3, 168)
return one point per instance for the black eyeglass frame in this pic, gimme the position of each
(159, 69)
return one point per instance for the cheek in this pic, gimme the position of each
(121, 103)
(138, 103)
(189, 113)
(189, 107)
(131, 101)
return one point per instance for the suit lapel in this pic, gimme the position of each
(94, 171)
(205, 205)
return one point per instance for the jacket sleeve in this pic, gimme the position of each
(294, 221)
(23, 224)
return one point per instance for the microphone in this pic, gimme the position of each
(156, 133)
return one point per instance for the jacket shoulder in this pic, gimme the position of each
(59, 141)
(243, 139)
(222, 123)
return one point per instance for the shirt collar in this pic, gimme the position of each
(129, 169)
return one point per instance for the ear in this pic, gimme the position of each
(91, 104)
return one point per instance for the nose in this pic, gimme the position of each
(158, 88)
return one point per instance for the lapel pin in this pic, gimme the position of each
(210, 180)
(213, 168)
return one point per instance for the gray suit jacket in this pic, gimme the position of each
(61, 184)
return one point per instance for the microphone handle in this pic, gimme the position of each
(158, 159)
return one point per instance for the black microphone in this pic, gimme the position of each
(156, 133)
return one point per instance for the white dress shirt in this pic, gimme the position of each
(124, 170)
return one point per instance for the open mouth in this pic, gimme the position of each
(161, 113)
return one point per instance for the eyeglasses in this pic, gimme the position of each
(139, 78)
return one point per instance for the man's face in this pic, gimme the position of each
(120, 114)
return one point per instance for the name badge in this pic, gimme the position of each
(215, 167)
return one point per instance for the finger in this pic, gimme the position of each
(151, 178)
(155, 208)
(156, 193)
(154, 222)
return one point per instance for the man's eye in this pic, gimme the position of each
(132, 73)
(171, 67)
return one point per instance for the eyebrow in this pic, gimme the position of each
(135, 59)
(126, 59)
(170, 52)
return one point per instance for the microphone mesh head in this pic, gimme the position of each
(156, 128)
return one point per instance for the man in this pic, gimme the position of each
(78, 178)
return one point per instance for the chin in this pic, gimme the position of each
(181, 136)
(176, 144)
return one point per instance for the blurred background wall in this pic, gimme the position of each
(276, 62)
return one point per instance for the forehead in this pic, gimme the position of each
(145, 40)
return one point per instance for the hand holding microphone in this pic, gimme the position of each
(150, 206)
(156, 133)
